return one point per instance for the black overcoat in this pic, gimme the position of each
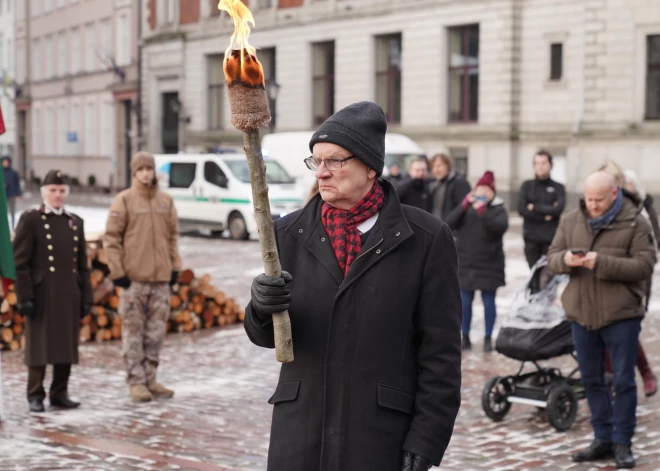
(52, 271)
(480, 247)
(377, 364)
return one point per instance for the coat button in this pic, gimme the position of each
(75, 238)
(51, 258)
(75, 249)
(48, 236)
(300, 230)
(52, 268)
(75, 259)
(43, 217)
(50, 247)
(74, 270)
(75, 228)
(46, 226)
(378, 251)
(397, 234)
(322, 239)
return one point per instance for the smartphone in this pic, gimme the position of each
(578, 252)
(481, 198)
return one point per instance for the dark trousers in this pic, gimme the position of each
(612, 422)
(58, 388)
(490, 310)
(534, 251)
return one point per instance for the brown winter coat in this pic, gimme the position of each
(52, 271)
(616, 288)
(141, 235)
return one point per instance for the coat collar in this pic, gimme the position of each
(390, 230)
(146, 191)
(48, 212)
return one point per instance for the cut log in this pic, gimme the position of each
(103, 291)
(17, 329)
(18, 319)
(233, 317)
(116, 331)
(185, 293)
(100, 335)
(86, 320)
(219, 298)
(114, 302)
(222, 320)
(7, 335)
(186, 277)
(188, 326)
(85, 333)
(5, 318)
(241, 316)
(198, 308)
(98, 311)
(102, 321)
(5, 307)
(11, 298)
(14, 345)
(175, 301)
(116, 320)
(107, 334)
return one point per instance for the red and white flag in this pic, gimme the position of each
(2, 123)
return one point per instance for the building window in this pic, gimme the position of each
(263, 4)
(107, 129)
(464, 73)
(49, 131)
(36, 132)
(48, 6)
(90, 46)
(20, 62)
(61, 130)
(460, 156)
(388, 76)
(90, 129)
(36, 8)
(216, 95)
(653, 77)
(36, 59)
(123, 40)
(323, 78)
(556, 61)
(75, 50)
(74, 129)
(49, 52)
(61, 54)
(166, 9)
(106, 39)
(61, 3)
(10, 57)
(267, 58)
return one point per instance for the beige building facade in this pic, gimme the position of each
(76, 68)
(488, 81)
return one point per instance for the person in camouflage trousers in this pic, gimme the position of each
(141, 244)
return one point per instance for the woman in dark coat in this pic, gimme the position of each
(479, 228)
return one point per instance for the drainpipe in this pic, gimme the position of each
(577, 124)
(138, 107)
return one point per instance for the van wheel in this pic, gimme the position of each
(237, 227)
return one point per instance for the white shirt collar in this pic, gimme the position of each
(367, 225)
(50, 209)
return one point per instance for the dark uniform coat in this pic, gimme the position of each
(377, 366)
(52, 271)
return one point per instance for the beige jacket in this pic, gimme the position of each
(141, 235)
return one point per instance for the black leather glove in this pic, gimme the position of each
(86, 308)
(271, 294)
(122, 282)
(174, 278)
(26, 309)
(413, 462)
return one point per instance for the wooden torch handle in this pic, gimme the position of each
(269, 255)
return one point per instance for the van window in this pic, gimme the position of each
(214, 174)
(274, 172)
(182, 175)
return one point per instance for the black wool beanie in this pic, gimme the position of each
(360, 129)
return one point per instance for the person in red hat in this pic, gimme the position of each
(479, 229)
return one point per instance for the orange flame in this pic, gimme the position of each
(241, 62)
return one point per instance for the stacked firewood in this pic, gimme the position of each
(195, 304)
(12, 323)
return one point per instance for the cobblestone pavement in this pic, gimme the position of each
(219, 418)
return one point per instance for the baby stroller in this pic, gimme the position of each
(536, 330)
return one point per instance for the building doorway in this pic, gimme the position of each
(170, 122)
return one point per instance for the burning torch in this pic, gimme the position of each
(249, 111)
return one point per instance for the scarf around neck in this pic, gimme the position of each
(341, 225)
(609, 216)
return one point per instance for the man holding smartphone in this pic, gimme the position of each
(608, 249)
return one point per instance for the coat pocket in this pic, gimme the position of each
(396, 399)
(285, 391)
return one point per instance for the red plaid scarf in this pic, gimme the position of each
(341, 225)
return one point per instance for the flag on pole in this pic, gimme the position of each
(7, 269)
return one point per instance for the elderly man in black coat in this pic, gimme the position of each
(371, 286)
(53, 289)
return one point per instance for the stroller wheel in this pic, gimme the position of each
(562, 407)
(494, 398)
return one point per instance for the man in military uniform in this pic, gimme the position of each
(53, 289)
(141, 245)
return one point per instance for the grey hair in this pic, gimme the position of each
(45, 187)
(632, 180)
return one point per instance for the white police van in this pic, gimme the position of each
(213, 191)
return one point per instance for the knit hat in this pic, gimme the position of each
(142, 159)
(487, 180)
(360, 129)
(54, 177)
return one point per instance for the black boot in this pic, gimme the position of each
(63, 402)
(465, 342)
(597, 451)
(488, 344)
(624, 457)
(37, 406)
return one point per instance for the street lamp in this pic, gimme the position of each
(272, 89)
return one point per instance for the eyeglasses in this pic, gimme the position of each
(331, 164)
